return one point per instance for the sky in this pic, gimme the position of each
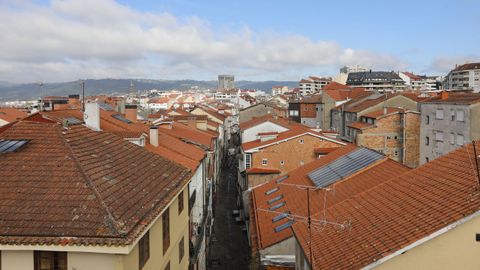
(53, 41)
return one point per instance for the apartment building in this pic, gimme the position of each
(312, 85)
(279, 90)
(448, 121)
(462, 77)
(261, 109)
(344, 115)
(226, 82)
(401, 223)
(85, 199)
(380, 81)
(314, 111)
(392, 131)
(418, 82)
(277, 153)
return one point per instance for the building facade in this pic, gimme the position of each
(463, 77)
(381, 81)
(448, 121)
(226, 82)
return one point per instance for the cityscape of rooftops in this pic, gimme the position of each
(257, 135)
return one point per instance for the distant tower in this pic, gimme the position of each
(226, 82)
(131, 89)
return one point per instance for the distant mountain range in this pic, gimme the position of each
(12, 91)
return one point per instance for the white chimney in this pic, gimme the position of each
(154, 136)
(91, 116)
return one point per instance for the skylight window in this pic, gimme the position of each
(281, 179)
(272, 191)
(280, 217)
(284, 226)
(121, 118)
(276, 206)
(7, 146)
(275, 199)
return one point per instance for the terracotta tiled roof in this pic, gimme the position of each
(75, 186)
(381, 112)
(342, 94)
(374, 100)
(295, 197)
(119, 128)
(359, 125)
(309, 99)
(12, 114)
(265, 118)
(187, 133)
(467, 66)
(455, 98)
(263, 171)
(291, 133)
(396, 213)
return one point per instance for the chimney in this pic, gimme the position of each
(154, 136)
(444, 95)
(91, 116)
(384, 110)
(73, 99)
(131, 112)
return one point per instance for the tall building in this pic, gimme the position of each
(448, 121)
(226, 82)
(382, 81)
(465, 76)
(313, 85)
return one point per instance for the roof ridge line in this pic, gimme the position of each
(112, 222)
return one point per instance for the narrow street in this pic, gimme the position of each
(229, 247)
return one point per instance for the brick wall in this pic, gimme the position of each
(293, 153)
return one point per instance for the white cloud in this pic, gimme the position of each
(443, 65)
(76, 39)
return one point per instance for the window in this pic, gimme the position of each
(181, 250)
(180, 202)
(452, 138)
(166, 230)
(248, 161)
(460, 139)
(282, 162)
(428, 119)
(395, 153)
(452, 115)
(264, 161)
(460, 116)
(144, 250)
(439, 136)
(50, 260)
(439, 114)
(301, 141)
(427, 159)
(427, 140)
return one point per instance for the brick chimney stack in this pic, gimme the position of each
(131, 112)
(444, 95)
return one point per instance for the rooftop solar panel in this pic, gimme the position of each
(344, 166)
(105, 107)
(121, 118)
(284, 226)
(7, 146)
(73, 121)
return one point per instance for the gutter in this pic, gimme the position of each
(422, 240)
